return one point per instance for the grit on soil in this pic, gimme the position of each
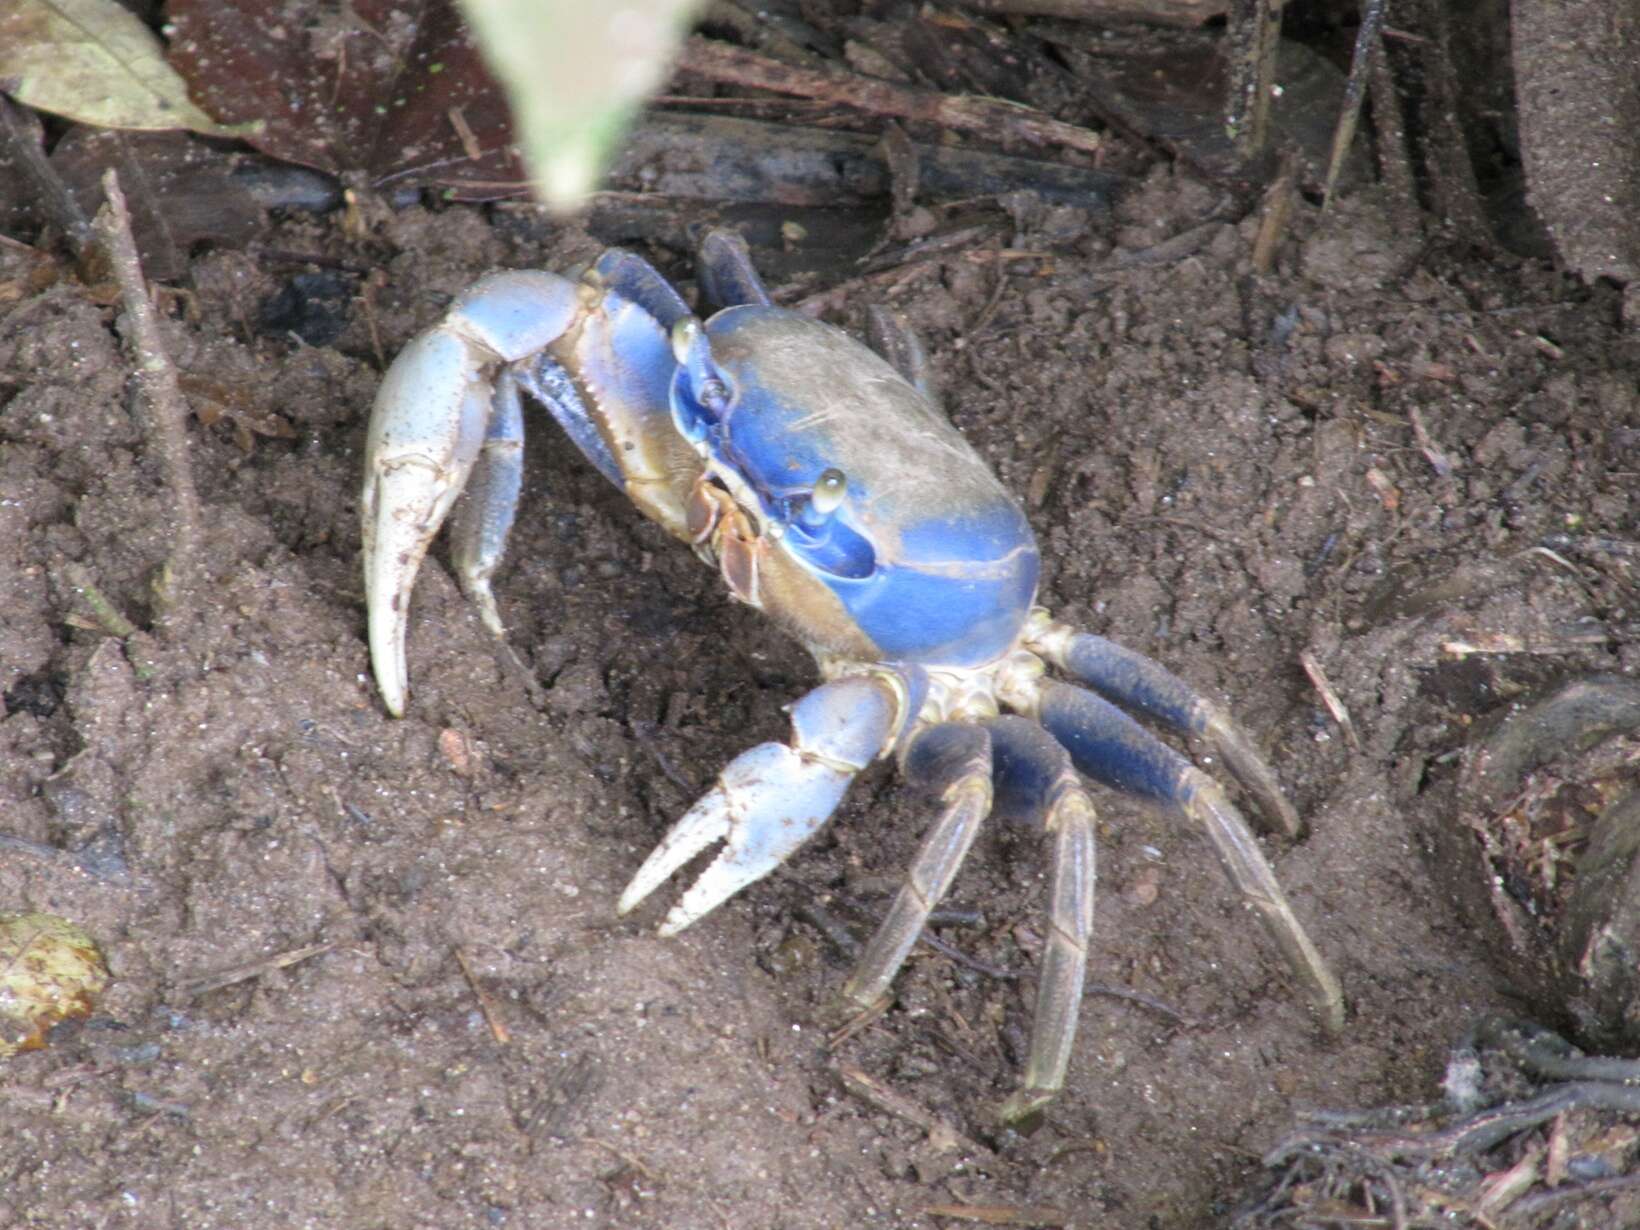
(1357, 456)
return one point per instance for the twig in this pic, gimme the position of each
(626, 1159)
(1565, 638)
(1111, 991)
(1253, 32)
(991, 116)
(1355, 91)
(486, 1004)
(881, 1096)
(157, 378)
(108, 615)
(196, 987)
(1153, 12)
(112, 621)
(1329, 697)
(20, 145)
(1438, 460)
(1274, 214)
(1001, 1214)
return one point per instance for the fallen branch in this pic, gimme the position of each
(719, 157)
(992, 117)
(1149, 12)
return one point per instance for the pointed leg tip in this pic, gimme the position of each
(483, 597)
(673, 925)
(1022, 1111)
(1329, 1008)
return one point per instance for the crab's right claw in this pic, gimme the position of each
(426, 430)
(771, 799)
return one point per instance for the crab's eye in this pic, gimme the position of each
(713, 394)
(829, 490)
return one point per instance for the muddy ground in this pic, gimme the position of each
(1225, 473)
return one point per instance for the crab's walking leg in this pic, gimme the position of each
(954, 762)
(1035, 778)
(1111, 747)
(430, 420)
(725, 271)
(1142, 684)
(771, 799)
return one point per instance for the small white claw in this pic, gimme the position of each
(775, 799)
(699, 827)
(767, 802)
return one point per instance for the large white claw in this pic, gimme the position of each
(428, 424)
(425, 432)
(771, 799)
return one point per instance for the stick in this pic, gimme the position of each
(1251, 38)
(881, 1096)
(1152, 12)
(486, 1005)
(193, 988)
(157, 378)
(991, 116)
(138, 646)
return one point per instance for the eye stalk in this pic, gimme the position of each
(701, 393)
(830, 489)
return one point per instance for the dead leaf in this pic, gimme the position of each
(394, 91)
(94, 61)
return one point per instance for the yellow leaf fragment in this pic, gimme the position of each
(50, 971)
(95, 62)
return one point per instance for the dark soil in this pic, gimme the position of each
(1357, 456)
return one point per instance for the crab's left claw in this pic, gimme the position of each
(425, 435)
(448, 404)
(771, 799)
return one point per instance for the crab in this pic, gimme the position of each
(824, 483)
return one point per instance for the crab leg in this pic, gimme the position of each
(1137, 682)
(1111, 747)
(432, 415)
(1035, 778)
(771, 799)
(725, 271)
(954, 762)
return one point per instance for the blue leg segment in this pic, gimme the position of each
(1112, 748)
(1035, 777)
(1146, 686)
(953, 762)
(723, 266)
(636, 279)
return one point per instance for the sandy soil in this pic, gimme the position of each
(1224, 472)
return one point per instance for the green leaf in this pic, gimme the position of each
(93, 61)
(576, 73)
